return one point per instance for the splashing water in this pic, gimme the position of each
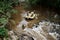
(42, 31)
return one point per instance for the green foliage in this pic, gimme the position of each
(31, 3)
(6, 5)
(3, 22)
(3, 32)
(6, 9)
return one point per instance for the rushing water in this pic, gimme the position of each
(43, 31)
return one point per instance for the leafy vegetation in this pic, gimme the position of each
(6, 9)
(3, 32)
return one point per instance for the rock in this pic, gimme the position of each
(25, 37)
(12, 35)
